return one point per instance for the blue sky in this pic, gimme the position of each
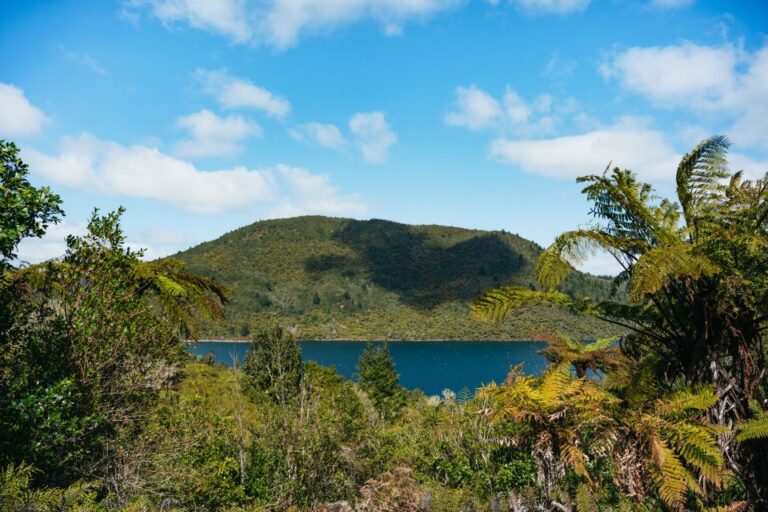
(202, 116)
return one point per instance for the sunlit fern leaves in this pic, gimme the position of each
(558, 408)
(182, 294)
(168, 286)
(496, 304)
(602, 354)
(755, 428)
(682, 446)
(574, 247)
(658, 266)
(673, 479)
(699, 176)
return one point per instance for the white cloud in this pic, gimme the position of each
(52, 245)
(18, 117)
(672, 4)
(281, 23)
(724, 81)
(85, 162)
(227, 17)
(475, 109)
(373, 135)
(690, 75)
(753, 169)
(155, 243)
(235, 93)
(600, 264)
(164, 237)
(553, 6)
(516, 108)
(327, 135)
(212, 135)
(314, 193)
(627, 144)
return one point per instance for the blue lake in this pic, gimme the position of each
(427, 365)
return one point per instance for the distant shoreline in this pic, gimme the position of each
(241, 340)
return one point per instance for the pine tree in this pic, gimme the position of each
(379, 379)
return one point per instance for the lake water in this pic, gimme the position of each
(427, 365)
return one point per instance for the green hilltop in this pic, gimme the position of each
(339, 278)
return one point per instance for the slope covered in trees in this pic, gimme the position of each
(347, 279)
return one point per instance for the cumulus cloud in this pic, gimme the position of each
(18, 117)
(164, 237)
(327, 135)
(52, 245)
(628, 144)
(212, 135)
(85, 162)
(281, 23)
(314, 193)
(236, 93)
(372, 135)
(722, 80)
(227, 17)
(753, 168)
(155, 243)
(476, 109)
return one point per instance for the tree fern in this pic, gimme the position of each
(699, 176)
(755, 428)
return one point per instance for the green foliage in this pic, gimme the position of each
(379, 280)
(87, 346)
(25, 211)
(273, 366)
(379, 379)
(755, 428)
(304, 452)
(17, 493)
(696, 275)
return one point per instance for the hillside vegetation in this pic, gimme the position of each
(347, 279)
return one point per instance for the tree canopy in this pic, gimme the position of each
(697, 273)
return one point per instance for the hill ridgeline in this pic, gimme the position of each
(338, 278)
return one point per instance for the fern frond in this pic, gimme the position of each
(699, 399)
(171, 287)
(658, 266)
(699, 176)
(555, 382)
(495, 305)
(574, 458)
(754, 428)
(673, 478)
(698, 446)
(572, 248)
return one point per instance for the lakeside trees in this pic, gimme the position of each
(379, 379)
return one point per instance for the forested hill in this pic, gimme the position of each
(347, 279)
